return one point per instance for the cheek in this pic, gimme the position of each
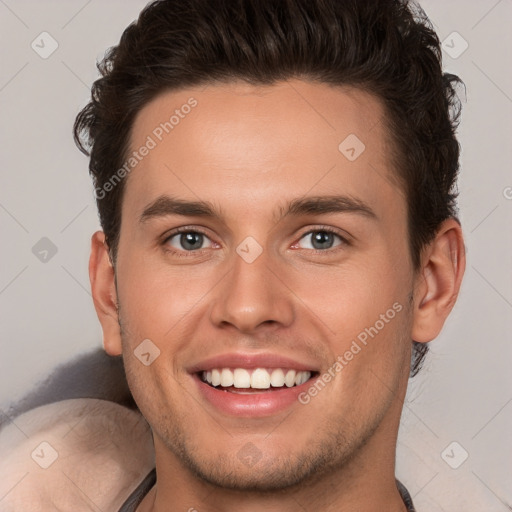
(155, 296)
(351, 297)
(364, 306)
(375, 351)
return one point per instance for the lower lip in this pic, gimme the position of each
(252, 404)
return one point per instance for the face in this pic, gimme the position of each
(293, 264)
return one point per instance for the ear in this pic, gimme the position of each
(438, 281)
(102, 277)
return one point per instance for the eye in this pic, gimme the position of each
(321, 239)
(188, 241)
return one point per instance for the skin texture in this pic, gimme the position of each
(249, 151)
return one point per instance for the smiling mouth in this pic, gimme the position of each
(256, 380)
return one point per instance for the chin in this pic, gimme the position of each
(249, 471)
(262, 477)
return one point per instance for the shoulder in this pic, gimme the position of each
(81, 454)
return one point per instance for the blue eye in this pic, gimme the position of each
(321, 239)
(188, 241)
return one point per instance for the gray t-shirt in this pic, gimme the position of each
(135, 498)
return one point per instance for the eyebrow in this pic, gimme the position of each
(312, 205)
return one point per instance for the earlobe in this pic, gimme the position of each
(438, 283)
(102, 278)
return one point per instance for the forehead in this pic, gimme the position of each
(238, 142)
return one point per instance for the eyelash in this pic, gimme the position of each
(182, 254)
(188, 254)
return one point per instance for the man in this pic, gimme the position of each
(275, 182)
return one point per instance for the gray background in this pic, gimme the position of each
(463, 395)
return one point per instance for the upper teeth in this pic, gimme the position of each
(259, 378)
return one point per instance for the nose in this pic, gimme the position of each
(252, 296)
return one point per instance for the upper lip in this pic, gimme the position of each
(251, 361)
